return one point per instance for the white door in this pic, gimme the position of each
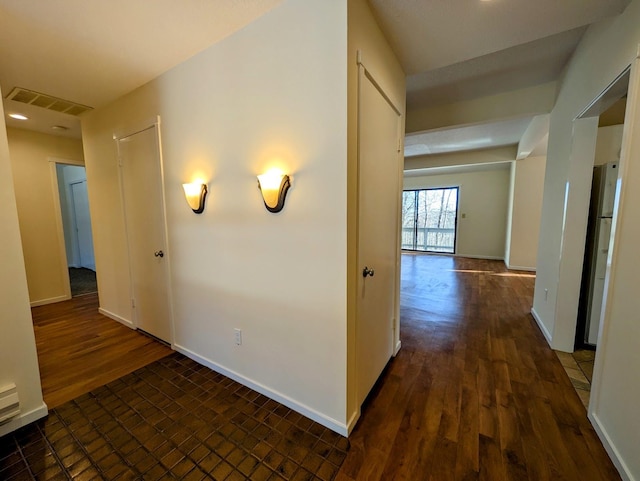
(378, 237)
(139, 157)
(83, 224)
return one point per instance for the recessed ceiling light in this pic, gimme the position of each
(18, 117)
(59, 127)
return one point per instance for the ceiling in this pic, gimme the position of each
(505, 45)
(92, 52)
(426, 35)
(525, 65)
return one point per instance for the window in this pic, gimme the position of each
(429, 219)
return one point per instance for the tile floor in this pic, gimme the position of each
(173, 419)
(579, 368)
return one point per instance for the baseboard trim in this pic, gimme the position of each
(397, 349)
(469, 256)
(24, 419)
(543, 328)
(116, 317)
(611, 449)
(51, 300)
(489, 258)
(520, 268)
(353, 420)
(311, 413)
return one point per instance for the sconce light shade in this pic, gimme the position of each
(195, 194)
(274, 187)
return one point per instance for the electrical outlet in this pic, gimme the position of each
(238, 336)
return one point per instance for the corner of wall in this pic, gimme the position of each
(18, 356)
(363, 35)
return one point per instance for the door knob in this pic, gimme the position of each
(367, 272)
(158, 254)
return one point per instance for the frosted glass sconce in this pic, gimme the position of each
(195, 194)
(274, 186)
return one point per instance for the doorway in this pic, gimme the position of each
(599, 128)
(76, 227)
(597, 137)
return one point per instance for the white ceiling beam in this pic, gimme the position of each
(536, 133)
(528, 101)
(485, 156)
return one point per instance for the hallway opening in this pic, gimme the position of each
(475, 392)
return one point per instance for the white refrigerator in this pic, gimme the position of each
(605, 178)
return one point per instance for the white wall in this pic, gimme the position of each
(526, 210)
(274, 93)
(36, 198)
(608, 144)
(604, 52)
(509, 227)
(483, 201)
(18, 357)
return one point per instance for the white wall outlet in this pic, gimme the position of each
(238, 336)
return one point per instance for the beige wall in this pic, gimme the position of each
(32, 177)
(18, 358)
(524, 230)
(483, 201)
(365, 36)
(274, 93)
(605, 51)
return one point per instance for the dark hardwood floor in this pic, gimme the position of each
(79, 349)
(475, 392)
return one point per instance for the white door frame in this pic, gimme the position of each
(121, 134)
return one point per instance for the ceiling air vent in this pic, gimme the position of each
(45, 101)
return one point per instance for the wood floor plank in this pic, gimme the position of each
(475, 392)
(510, 437)
(467, 460)
(79, 349)
(444, 456)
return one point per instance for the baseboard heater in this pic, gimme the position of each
(9, 403)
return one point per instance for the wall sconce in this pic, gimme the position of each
(195, 194)
(274, 186)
